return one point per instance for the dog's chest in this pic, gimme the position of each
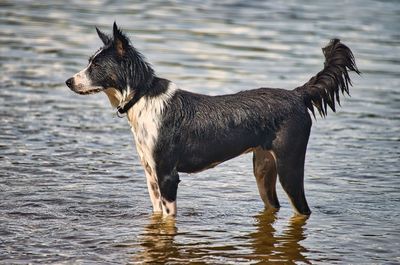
(145, 118)
(144, 125)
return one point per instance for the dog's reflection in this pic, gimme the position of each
(267, 244)
(157, 240)
(270, 245)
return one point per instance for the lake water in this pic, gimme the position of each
(71, 187)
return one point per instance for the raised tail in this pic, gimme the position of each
(322, 89)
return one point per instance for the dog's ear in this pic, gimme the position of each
(121, 42)
(104, 37)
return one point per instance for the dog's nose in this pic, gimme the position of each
(70, 82)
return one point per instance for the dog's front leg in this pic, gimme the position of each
(154, 193)
(168, 184)
(152, 186)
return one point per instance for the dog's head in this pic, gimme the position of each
(116, 66)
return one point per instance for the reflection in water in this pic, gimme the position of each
(268, 245)
(157, 240)
(158, 244)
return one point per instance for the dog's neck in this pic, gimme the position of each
(152, 103)
(116, 97)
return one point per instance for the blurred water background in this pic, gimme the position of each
(72, 190)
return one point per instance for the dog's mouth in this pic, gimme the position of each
(81, 89)
(88, 92)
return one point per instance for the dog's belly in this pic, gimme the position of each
(202, 155)
(194, 165)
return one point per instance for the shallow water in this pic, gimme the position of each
(71, 187)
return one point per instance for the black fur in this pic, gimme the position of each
(200, 130)
(321, 90)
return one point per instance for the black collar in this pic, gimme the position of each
(128, 105)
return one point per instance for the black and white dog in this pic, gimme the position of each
(179, 131)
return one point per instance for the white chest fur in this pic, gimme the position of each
(145, 119)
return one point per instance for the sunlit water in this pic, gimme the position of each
(72, 189)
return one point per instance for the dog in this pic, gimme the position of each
(180, 131)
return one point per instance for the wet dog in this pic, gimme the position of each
(179, 131)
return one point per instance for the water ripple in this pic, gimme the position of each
(71, 187)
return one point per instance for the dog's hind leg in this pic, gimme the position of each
(290, 150)
(291, 176)
(264, 168)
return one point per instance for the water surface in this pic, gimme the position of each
(71, 187)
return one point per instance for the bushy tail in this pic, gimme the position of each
(322, 89)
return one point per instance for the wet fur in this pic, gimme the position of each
(180, 131)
